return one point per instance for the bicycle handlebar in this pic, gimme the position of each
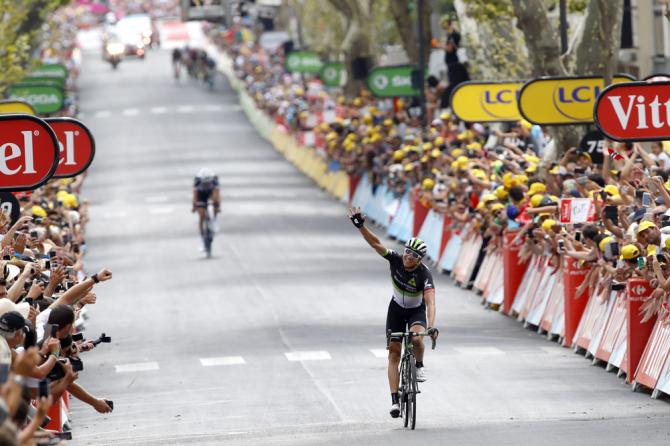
(402, 334)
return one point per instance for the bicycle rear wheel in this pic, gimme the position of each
(208, 236)
(406, 378)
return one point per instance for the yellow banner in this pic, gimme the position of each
(562, 100)
(486, 101)
(7, 107)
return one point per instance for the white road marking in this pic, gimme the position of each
(380, 352)
(102, 114)
(479, 351)
(161, 210)
(307, 356)
(224, 360)
(158, 110)
(137, 367)
(213, 108)
(112, 215)
(130, 112)
(185, 109)
(157, 199)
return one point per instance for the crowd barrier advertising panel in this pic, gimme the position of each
(486, 101)
(573, 276)
(634, 112)
(513, 270)
(654, 357)
(638, 332)
(562, 100)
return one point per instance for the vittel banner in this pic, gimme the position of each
(562, 100)
(634, 112)
(486, 101)
(76, 146)
(28, 152)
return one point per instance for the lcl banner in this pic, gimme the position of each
(76, 146)
(636, 111)
(28, 152)
(562, 100)
(486, 101)
(16, 107)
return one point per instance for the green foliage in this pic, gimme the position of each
(20, 35)
(490, 10)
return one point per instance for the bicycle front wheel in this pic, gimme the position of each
(411, 394)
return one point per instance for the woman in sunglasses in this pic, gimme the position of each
(413, 297)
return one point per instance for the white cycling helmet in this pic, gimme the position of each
(417, 245)
(205, 174)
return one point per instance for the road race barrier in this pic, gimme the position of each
(653, 371)
(432, 232)
(529, 284)
(420, 214)
(574, 273)
(588, 333)
(613, 338)
(451, 250)
(514, 270)
(535, 306)
(552, 321)
(467, 260)
(446, 236)
(638, 291)
(58, 413)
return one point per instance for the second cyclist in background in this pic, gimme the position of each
(205, 190)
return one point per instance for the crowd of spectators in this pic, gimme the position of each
(44, 286)
(487, 179)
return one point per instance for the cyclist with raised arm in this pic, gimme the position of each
(205, 189)
(413, 301)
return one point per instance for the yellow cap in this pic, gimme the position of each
(427, 146)
(463, 160)
(629, 252)
(388, 122)
(536, 199)
(667, 242)
(521, 179)
(367, 119)
(488, 197)
(409, 167)
(497, 206)
(357, 102)
(373, 110)
(611, 190)
(424, 159)
(480, 174)
(464, 135)
(38, 211)
(427, 183)
(324, 126)
(531, 158)
(439, 141)
(501, 193)
(398, 155)
(525, 124)
(474, 146)
(537, 188)
(454, 165)
(555, 170)
(604, 242)
(651, 250)
(331, 136)
(457, 152)
(435, 153)
(532, 168)
(548, 224)
(341, 100)
(645, 225)
(445, 116)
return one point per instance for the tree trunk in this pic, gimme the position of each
(597, 50)
(541, 38)
(407, 29)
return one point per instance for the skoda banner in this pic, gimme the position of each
(303, 62)
(486, 101)
(392, 81)
(635, 112)
(51, 71)
(44, 99)
(7, 107)
(562, 100)
(333, 74)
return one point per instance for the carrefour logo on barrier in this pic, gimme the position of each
(562, 100)
(486, 101)
(635, 111)
(638, 289)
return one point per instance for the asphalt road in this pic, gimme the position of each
(202, 349)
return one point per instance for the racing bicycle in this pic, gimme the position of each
(409, 387)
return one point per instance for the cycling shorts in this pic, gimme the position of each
(397, 317)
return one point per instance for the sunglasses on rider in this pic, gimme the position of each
(414, 254)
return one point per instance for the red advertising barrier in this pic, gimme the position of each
(654, 356)
(514, 271)
(594, 318)
(573, 276)
(638, 332)
(420, 213)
